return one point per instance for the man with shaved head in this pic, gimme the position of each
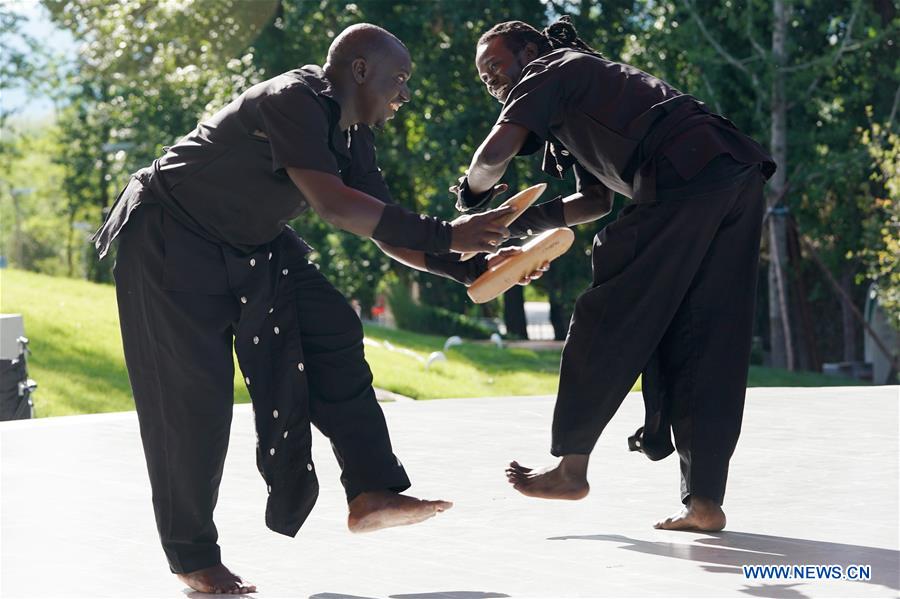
(206, 259)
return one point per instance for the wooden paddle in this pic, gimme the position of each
(521, 201)
(546, 247)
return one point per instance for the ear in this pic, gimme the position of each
(529, 52)
(359, 68)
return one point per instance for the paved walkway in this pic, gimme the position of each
(815, 481)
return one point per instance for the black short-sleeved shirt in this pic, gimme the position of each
(607, 120)
(229, 173)
(226, 180)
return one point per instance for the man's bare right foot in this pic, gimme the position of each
(216, 579)
(699, 514)
(566, 480)
(375, 510)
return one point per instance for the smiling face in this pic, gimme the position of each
(499, 68)
(383, 86)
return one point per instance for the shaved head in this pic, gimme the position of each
(369, 68)
(366, 41)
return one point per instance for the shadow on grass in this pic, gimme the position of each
(492, 360)
(726, 552)
(775, 377)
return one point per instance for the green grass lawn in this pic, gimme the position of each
(471, 369)
(77, 357)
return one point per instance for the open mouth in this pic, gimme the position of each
(395, 106)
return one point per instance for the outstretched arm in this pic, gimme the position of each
(364, 215)
(587, 205)
(411, 258)
(581, 207)
(494, 154)
(592, 200)
(446, 265)
(338, 205)
(449, 266)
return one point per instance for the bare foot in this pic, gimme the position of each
(216, 579)
(382, 509)
(566, 480)
(699, 514)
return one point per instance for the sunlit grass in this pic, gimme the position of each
(471, 369)
(78, 363)
(77, 357)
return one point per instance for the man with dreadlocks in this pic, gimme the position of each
(674, 277)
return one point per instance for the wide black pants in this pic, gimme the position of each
(673, 293)
(178, 322)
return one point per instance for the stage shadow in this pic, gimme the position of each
(437, 595)
(726, 552)
(452, 595)
(198, 595)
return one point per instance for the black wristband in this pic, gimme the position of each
(402, 228)
(539, 218)
(448, 265)
(466, 201)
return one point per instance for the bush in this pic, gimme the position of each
(433, 320)
(757, 354)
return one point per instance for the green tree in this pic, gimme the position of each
(24, 239)
(20, 60)
(32, 210)
(881, 227)
(146, 72)
(798, 75)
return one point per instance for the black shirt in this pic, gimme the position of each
(226, 180)
(611, 122)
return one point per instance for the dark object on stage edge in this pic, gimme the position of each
(15, 386)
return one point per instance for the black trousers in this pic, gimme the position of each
(178, 330)
(673, 293)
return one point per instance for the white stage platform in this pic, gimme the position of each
(814, 481)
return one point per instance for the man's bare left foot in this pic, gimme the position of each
(216, 579)
(699, 514)
(375, 510)
(566, 480)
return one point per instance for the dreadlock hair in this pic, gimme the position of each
(517, 34)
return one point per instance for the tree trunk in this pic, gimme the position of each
(514, 312)
(848, 321)
(97, 271)
(514, 299)
(779, 316)
(70, 244)
(807, 350)
(18, 253)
